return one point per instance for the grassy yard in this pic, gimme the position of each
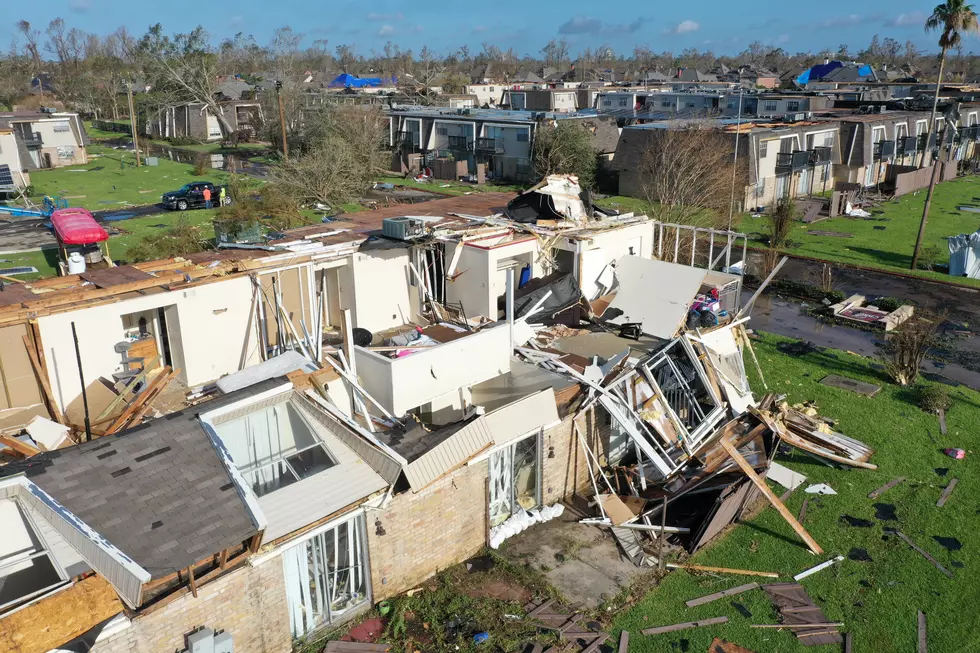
(877, 600)
(450, 187)
(111, 180)
(886, 241)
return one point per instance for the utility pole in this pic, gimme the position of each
(282, 122)
(132, 122)
(932, 186)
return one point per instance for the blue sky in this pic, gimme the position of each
(725, 27)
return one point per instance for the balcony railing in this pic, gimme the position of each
(792, 161)
(884, 150)
(489, 146)
(906, 145)
(32, 140)
(407, 141)
(820, 156)
(460, 144)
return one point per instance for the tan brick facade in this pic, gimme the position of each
(446, 523)
(249, 603)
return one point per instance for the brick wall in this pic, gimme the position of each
(249, 603)
(446, 523)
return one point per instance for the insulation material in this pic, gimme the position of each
(18, 384)
(521, 521)
(964, 255)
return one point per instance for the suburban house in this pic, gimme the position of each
(197, 121)
(500, 140)
(50, 139)
(654, 105)
(776, 159)
(557, 100)
(14, 173)
(267, 502)
(877, 145)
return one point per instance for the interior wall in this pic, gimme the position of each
(18, 383)
(381, 290)
(610, 246)
(212, 323)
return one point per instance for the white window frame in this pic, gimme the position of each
(510, 447)
(923, 125)
(770, 105)
(45, 550)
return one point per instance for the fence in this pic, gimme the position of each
(701, 247)
(908, 179)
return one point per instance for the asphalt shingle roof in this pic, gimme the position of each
(159, 492)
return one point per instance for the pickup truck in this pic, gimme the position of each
(191, 196)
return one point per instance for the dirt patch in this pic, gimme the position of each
(500, 589)
(368, 631)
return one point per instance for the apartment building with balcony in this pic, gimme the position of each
(47, 139)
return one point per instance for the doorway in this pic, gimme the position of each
(515, 479)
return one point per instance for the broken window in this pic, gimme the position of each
(326, 576)
(274, 447)
(27, 568)
(515, 479)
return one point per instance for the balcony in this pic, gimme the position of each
(820, 156)
(32, 140)
(408, 141)
(884, 150)
(906, 145)
(460, 144)
(489, 146)
(792, 161)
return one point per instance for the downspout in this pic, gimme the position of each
(850, 152)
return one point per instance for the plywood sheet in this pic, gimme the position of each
(59, 618)
(117, 276)
(18, 383)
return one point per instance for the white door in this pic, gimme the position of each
(214, 127)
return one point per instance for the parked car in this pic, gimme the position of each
(191, 196)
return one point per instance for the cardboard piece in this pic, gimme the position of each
(622, 509)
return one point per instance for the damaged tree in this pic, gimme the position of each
(907, 345)
(565, 147)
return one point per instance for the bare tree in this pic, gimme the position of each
(186, 67)
(686, 174)
(907, 345)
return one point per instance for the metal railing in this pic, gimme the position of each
(700, 247)
(884, 150)
(489, 146)
(820, 155)
(459, 144)
(907, 145)
(792, 161)
(407, 141)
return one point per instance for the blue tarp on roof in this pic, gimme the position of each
(345, 80)
(819, 71)
(865, 71)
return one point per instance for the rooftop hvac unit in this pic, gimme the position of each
(403, 228)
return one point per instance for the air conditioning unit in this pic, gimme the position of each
(403, 228)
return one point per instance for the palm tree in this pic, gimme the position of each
(954, 18)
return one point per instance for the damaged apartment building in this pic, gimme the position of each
(242, 449)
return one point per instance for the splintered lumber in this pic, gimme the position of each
(722, 594)
(596, 643)
(42, 377)
(820, 567)
(924, 553)
(768, 493)
(884, 488)
(541, 608)
(848, 642)
(139, 402)
(724, 570)
(801, 616)
(684, 626)
(948, 491)
(624, 641)
(22, 448)
(828, 624)
(804, 445)
(922, 632)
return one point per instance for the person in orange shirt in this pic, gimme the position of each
(207, 197)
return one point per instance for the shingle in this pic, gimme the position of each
(174, 481)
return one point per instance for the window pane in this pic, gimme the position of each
(31, 577)
(526, 473)
(310, 462)
(271, 478)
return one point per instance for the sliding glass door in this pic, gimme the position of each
(515, 479)
(326, 576)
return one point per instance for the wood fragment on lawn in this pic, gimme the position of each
(624, 641)
(722, 594)
(946, 492)
(541, 608)
(820, 567)
(922, 632)
(924, 553)
(749, 471)
(684, 626)
(802, 617)
(832, 234)
(884, 488)
(942, 421)
(802, 515)
(848, 637)
(724, 570)
(596, 643)
(852, 385)
(828, 624)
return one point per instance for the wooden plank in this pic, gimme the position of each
(942, 421)
(722, 594)
(624, 641)
(924, 553)
(223, 559)
(724, 570)
(805, 608)
(848, 642)
(947, 492)
(884, 488)
(22, 448)
(828, 624)
(596, 643)
(802, 514)
(922, 633)
(190, 578)
(114, 277)
(844, 383)
(684, 626)
(773, 499)
(541, 608)
(136, 404)
(804, 445)
(42, 377)
(127, 390)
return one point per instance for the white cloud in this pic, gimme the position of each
(386, 30)
(686, 27)
(580, 25)
(911, 19)
(783, 38)
(237, 21)
(80, 5)
(841, 21)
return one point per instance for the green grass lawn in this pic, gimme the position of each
(450, 187)
(877, 600)
(103, 183)
(891, 248)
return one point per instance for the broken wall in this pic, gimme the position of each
(249, 603)
(381, 296)
(208, 338)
